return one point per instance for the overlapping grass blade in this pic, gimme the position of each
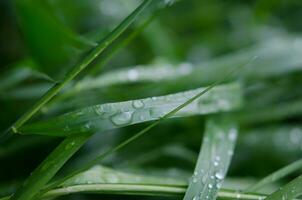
(81, 65)
(150, 73)
(145, 130)
(101, 179)
(290, 191)
(271, 63)
(34, 183)
(32, 188)
(114, 115)
(266, 66)
(213, 160)
(271, 113)
(281, 173)
(49, 167)
(104, 180)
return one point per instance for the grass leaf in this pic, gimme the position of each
(81, 65)
(213, 160)
(114, 115)
(276, 175)
(289, 191)
(44, 173)
(50, 166)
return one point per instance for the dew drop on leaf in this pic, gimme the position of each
(122, 118)
(137, 104)
(132, 74)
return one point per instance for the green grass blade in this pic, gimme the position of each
(281, 173)
(271, 113)
(290, 191)
(150, 73)
(207, 72)
(114, 115)
(105, 180)
(169, 114)
(81, 65)
(49, 167)
(104, 175)
(145, 130)
(213, 160)
(122, 43)
(144, 190)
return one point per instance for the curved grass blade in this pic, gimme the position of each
(142, 132)
(273, 113)
(49, 167)
(114, 115)
(57, 45)
(281, 173)
(144, 190)
(101, 179)
(268, 65)
(290, 191)
(81, 65)
(213, 160)
(150, 73)
(104, 175)
(123, 42)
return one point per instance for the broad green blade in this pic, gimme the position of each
(49, 167)
(103, 175)
(114, 115)
(271, 113)
(57, 46)
(104, 180)
(81, 65)
(101, 179)
(40, 176)
(281, 173)
(213, 160)
(268, 64)
(271, 62)
(150, 73)
(290, 191)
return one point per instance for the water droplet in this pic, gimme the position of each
(169, 2)
(218, 185)
(98, 110)
(132, 74)
(194, 180)
(86, 127)
(142, 117)
(195, 198)
(153, 98)
(219, 175)
(78, 113)
(230, 152)
(210, 186)
(137, 104)
(233, 134)
(122, 118)
(215, 163)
